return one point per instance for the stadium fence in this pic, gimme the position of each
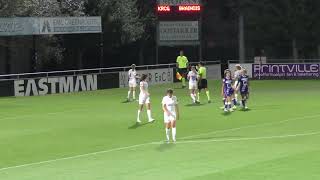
(43, 83)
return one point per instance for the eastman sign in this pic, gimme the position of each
(55, 85)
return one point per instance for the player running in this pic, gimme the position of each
(243, 87)
(228, 91)
(237, 74)
(193, 84)
(171, 114)
(144, 98)
(203, 83)
(132, 76)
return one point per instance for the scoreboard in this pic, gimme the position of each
(177, 9)
(179, 24)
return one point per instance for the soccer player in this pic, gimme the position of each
(227, 91)
(144, 98)
(193, 85)
(182, 64)
(203, 83)
(243, 87)
(237, 74)
(132, 76)
(224, 98)
(171, 114)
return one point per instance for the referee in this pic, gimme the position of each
(203, 83)
(182, 64)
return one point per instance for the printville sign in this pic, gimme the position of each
(286, 71)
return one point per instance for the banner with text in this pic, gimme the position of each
(178, 31)
(155, 76)
(286, 71)
(60, 84)
(18, 26)
(49, 25)
(70, 25)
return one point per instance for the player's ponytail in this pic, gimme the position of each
(143, 77)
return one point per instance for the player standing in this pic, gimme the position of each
(243, 86)
(144, 98)
(227, 91)
(193, 84)
(237, 74)
(132, 76)
(171, 114)
(182, 64)
(203, 83)
(224, 98)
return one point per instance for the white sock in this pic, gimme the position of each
(236, 97)
(229, 105)
(129, 94)
(174, 131)
(134, 94)
(149, 114)
(168, 134)
(193, 97)
(139, 112)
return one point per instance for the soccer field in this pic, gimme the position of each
(93, 135)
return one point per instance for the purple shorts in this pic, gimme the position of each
(228, 92)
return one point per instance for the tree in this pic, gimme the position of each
(147, 17)
(124, 21)
(272, 20)
(9, 8)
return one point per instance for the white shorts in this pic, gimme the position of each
(168, 119)
(132, 84)
(144, 99)
(193, 86)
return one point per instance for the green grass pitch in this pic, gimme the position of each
(93, 136)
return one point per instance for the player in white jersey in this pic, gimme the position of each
(132, 77)
(144, 98)
(171, 114)
(193, 84)
(236, 76)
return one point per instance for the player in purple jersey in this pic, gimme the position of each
(224, 98)
(243, 87)
(228, 91)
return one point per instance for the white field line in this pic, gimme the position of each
(74, 157)
(152, 143)
(249, 138)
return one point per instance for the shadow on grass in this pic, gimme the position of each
(165, 146)
(126, 101)
(179, 88)
(194, 105)
(138, 125)
(245, 110)
(226, 113)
